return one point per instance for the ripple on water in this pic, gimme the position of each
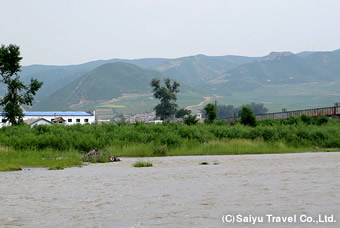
(176, 192)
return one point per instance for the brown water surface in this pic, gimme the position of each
(176, 192)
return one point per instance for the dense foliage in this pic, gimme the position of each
(210, 111)
(293, 132)
(229, 111)
(18, 93)
(190, 119)
(167, 96)
(247, 117)
(182, 112)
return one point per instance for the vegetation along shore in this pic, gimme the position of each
(57, 146)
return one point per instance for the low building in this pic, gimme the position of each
(70, 118)
(35, 122)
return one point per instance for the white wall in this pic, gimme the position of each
(73, 119)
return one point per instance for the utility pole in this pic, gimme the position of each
(216, 108)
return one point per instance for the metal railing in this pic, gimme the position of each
(327, 111)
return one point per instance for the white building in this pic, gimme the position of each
(69, 117)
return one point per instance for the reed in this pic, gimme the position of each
(140, 164)
(14, 159)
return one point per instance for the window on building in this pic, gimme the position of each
(86, 120)
(3, 120)
(78, 120)
(52, 120)
(69, 120)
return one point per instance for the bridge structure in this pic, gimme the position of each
(333, 112)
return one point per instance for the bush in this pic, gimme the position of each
(210, 110)
(320, 120)
(306, 119)
(247, 117)
(321, 132)
(139, 164)
(190, 119)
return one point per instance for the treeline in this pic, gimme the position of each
(295, 132)
(228, 111)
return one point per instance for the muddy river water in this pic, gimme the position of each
(178, 192)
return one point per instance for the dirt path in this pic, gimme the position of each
(206, 100)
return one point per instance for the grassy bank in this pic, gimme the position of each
(219, 147)
(63, 146)
(11, 160)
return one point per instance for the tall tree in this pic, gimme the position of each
(18, 93)
(210, 110)
(247, 117)
(167, 96)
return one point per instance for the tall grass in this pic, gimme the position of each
(42, 145)
(15, 159)
(84, 138)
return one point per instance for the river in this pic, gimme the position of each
(177, 192)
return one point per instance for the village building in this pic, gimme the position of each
(66, 118)
(35, 122)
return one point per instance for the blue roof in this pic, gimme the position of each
(56, 114)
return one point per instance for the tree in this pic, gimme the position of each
(167, 96)
(257, 108)
(18, 93)
(247, 117)
(227, 111)
(182, 112)
(190, 119)
(210, 110)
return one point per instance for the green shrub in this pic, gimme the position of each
(190, 119)
(306, 119)
(139, 164)
(320, 120)
(247, 117)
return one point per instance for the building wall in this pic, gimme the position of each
(69, 120)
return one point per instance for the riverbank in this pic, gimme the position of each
(13, 160)
(175, 192)
(60, 146)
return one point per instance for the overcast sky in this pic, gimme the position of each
(71, 32)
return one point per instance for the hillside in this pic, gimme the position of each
(283, 80)
(277, 68)
(280, 79)
(56, 77)
(197, 70)
(104, 86)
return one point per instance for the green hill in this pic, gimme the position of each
(280, 79)
(56, 77)
(277, 68)
(103, 86)
(283, 80)
(196, 70)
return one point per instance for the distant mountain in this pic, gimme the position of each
(327, 62)
(104, 84)
(277, 68)
(197, 70)
(56, 77)
(278, 79)
(188, 70)
(305, 53)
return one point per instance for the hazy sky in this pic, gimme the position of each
(71, 32)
